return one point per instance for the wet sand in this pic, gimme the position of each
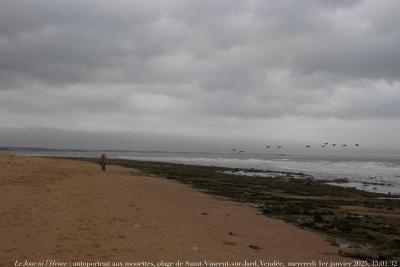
(69, 210)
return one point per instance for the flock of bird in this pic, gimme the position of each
(307, 147)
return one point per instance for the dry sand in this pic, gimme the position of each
(70, 210)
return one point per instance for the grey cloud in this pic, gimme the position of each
(177, 65)
(81, 41)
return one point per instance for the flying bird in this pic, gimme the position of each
(241, 151)
(323, 146)
(308, 146)
(278, 147)
(267, 147)
(333, 144)
(325, 143)
(344, 145)
(357, 145)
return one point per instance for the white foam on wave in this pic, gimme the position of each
(374, 176)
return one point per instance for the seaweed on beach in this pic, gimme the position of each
(364, 225)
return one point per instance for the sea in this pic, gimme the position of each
(374, 174)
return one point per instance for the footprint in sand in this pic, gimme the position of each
(10, 250)
(255, 247)
(84, 229)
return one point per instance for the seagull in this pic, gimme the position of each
(233, 149)
(308, 146)
(323, 146)
(344, 145)
(325, 143)
(241, 151)
(333, 144)
(278, 147)
(357, 145)
(267, 147)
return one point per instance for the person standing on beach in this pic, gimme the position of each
(103, 159)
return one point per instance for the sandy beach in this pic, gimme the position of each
(69, 211)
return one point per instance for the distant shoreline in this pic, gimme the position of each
(379, 155)
(370, 184)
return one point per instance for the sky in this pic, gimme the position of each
(199, 75)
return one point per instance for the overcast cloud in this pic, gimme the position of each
(255, 72)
